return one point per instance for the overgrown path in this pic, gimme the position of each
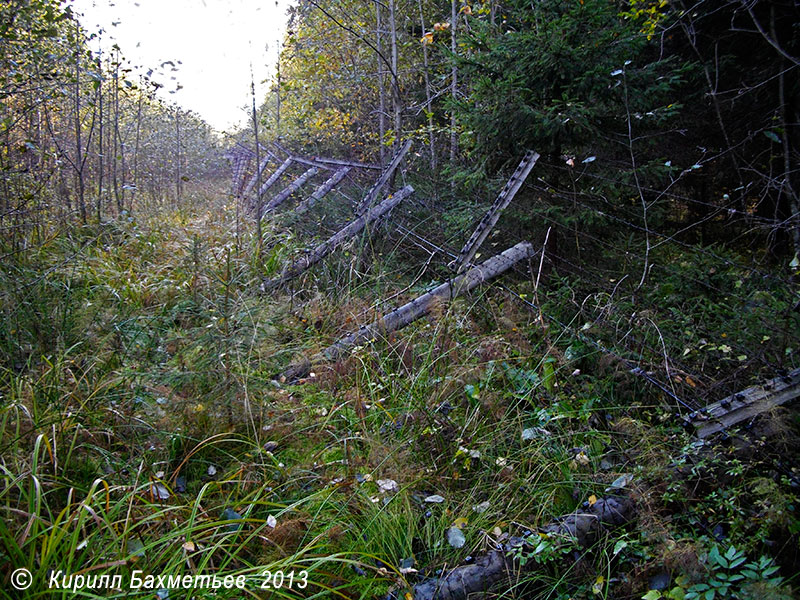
(148, 433)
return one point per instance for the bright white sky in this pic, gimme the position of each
(215, 40)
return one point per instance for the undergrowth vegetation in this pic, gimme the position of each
(143, 427)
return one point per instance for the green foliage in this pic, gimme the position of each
(729, 577)
(547, 75)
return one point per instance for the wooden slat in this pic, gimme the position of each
(275, 176)
(346, 163)
(490, 219)
(372, 194)
(321, 161)
(746, 404)
(321, 191)
(410, 312)
(301, 265)
(290, 189)
(240, 158)
(254, 179)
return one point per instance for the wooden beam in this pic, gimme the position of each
(746, 404)
(346, 163)
(490, 219)
(410, 312)
(254, 179)
(321, 191)
(312, 163)
(275, 176)
(317, 254)
(501, 568)
(372, 194)
(290, 189)
(322, 161)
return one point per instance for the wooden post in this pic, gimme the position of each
(321, 191)
(372, 194)
(290, 189)
(410, 312)
(317, 254)
(489, 220)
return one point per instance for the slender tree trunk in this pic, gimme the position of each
(453, 80)
(277, 103)
(258, 163)
(397, 108)
(100, 150)
(786, 142)
(135, 187)
(116, 142)
(428, 108)
(178, 186)
(80, 184)
(381, 91)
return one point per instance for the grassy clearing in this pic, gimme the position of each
(141, 429)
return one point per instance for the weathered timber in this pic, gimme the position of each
(322, 190)
(746, 404)
(239, 157)
(489, 220)
(275, 176)
(290, 189)
(317, 254)
(410, 312)
(372, 194)
(260, 170)
(310, 162)
(322, 161)
(501, 567)
(346, 163)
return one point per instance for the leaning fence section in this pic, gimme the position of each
(709, 379)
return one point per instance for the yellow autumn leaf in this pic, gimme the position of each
(460, 522)
(592, 500)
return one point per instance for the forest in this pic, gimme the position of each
(484, 299)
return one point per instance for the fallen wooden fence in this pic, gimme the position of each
(372, 194)
(413, 310)
(239, 157)
(323, 161)
(746, 404)
(321, 191)
(346, 163)
(503, 567)
(490, 219)
(259, 171)
(317, 254)
(274, 177)
(290, 189)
